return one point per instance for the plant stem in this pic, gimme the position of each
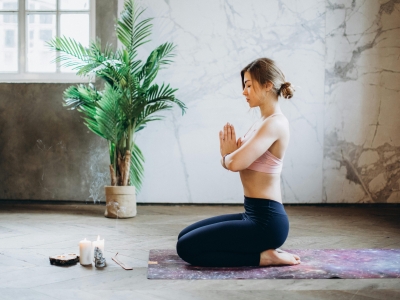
(115, 160)
(132, 134)
(129, 138)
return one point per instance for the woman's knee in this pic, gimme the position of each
(183, 249)
(182, 233)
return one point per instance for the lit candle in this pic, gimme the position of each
(99, 243)
(85, 252)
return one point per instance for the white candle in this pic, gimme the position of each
(99, 243)
(85, 252)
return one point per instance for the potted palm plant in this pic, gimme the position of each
(125, 104)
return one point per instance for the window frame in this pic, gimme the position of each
(57, 77)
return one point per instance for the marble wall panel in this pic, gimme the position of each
(362, 85)
(215, 40)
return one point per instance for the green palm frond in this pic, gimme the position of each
(130, 32)
(135, 67)
(136, 171)
(108, 50)
(92, 125)
(74, 53)
(165, 53)
(164, 93)
(85, 60)
(157, 59)
(84, 99)
(135, 100)
(155, 93)
(150, 69)
(150, 109)
(82, 96)
(104, 63)
(143, 122)
(108, 114)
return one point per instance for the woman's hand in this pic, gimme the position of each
(239, 142)
(227, 140)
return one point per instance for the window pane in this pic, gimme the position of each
(41, 5)
(74, 4)
(9, 43)
(39, 56)
(75, 26)
(9, 18)
(46, 19)
(8, 4)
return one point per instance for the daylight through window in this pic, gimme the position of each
(26, 26)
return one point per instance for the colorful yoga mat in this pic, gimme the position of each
(316, 264)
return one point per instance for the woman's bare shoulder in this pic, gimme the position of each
(277, 122)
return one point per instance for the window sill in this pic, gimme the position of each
(44, 78)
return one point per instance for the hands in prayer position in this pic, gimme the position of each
(227, 140)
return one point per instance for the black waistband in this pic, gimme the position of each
(262, 202)
(259, 206)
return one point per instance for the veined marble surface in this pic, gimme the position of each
(362, 97)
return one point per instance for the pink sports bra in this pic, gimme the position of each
(267, 162)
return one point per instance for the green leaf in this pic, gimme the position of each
(73, 54)
(130, 31)
(136, 170)
(108, 114)
(164, 93)
(144, 117)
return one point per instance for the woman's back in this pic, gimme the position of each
(256, 182)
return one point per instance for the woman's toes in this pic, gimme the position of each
(273, 257)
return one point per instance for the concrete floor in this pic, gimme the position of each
(30, 233)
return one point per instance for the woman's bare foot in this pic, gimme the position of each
(273, 257)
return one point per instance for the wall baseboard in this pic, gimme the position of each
(67, 202)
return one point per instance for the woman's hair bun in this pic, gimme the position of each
(286, 90)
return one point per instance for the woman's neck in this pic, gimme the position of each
(269, 107)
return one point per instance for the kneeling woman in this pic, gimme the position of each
(250, 238)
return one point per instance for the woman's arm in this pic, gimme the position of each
(261, 141)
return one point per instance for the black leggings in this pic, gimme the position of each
(235, 240)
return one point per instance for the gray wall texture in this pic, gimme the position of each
(345, 148)
(46, 151)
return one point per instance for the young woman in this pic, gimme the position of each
(250, 238)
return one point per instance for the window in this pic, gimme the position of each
(10, 39)
(26, 26)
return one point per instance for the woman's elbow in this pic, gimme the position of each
(235, 167)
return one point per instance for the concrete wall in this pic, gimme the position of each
(342, 57)
(46, 151)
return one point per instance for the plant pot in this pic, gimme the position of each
(120, 202)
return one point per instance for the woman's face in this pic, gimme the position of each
(248, 90)
(253, 91)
